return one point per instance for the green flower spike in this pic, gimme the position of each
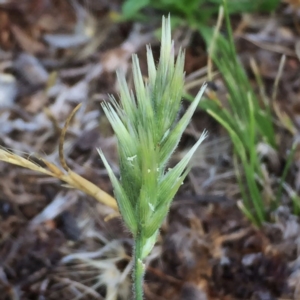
(148, 131)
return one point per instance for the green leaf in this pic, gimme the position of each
(131, 7)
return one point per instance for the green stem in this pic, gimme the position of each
(139, 269)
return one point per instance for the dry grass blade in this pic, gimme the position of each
(62, 138)
(81, 287)
(213, 43)
(91, 189)
(15, 159)
(278, 77)
(71, 178)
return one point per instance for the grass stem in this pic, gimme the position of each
(139, 268)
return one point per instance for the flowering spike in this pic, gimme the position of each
(148, 133)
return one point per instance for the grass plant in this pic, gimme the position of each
(194, 12)
(148, 131)
(247, 120)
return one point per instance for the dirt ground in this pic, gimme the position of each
(59, 243)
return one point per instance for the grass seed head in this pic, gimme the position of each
(148, 131)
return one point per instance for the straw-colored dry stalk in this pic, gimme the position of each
(72, 179)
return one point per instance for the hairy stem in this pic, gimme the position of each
(139, 268)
